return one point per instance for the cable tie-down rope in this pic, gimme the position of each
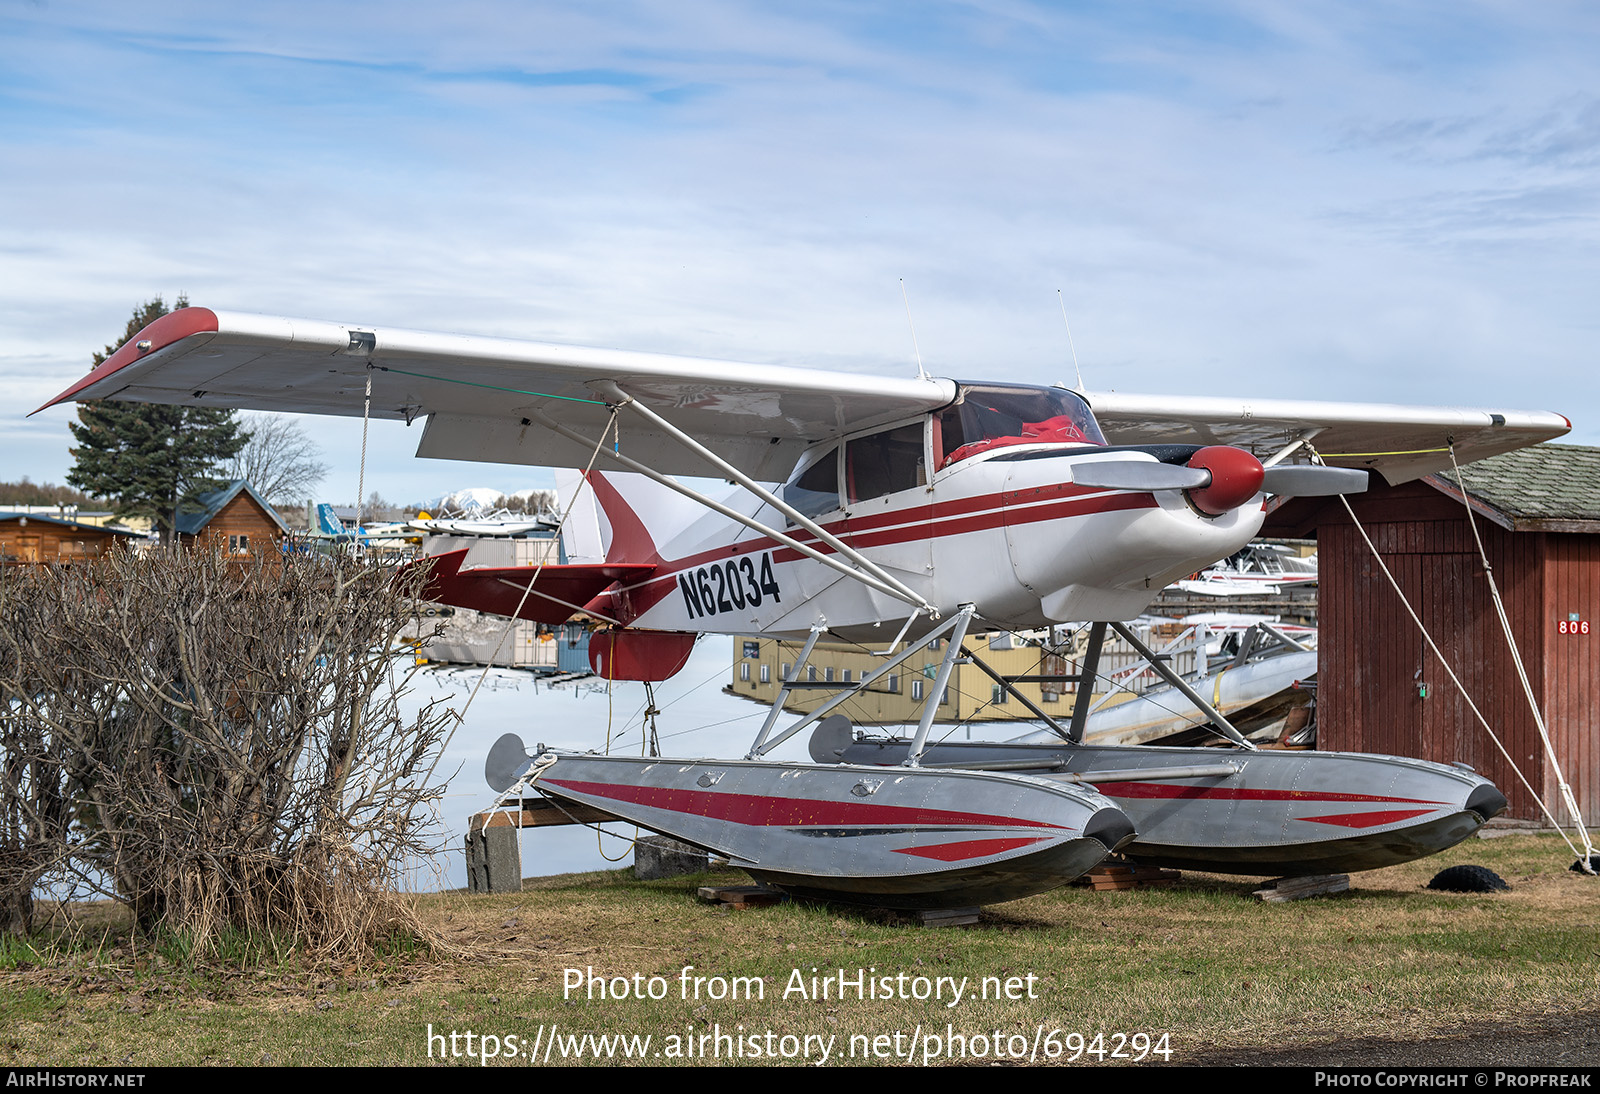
(461, 715)
(528, 589)
(529, 777)
(544, 763)
(1439, 655)
(611, 682)
(361, 478)
(1586, 859)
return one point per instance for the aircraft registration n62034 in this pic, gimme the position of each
(736, 585)
(934, 506)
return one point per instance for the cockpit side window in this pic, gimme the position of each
(815, 490)
(885, 463)
(989, 416)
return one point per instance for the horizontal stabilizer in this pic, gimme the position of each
(559, 593)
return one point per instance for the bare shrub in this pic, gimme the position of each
(230, 737)
(35, 799)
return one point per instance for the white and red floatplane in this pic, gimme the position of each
(909, 509)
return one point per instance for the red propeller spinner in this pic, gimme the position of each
(1236, 477)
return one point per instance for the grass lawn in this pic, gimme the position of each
(1190, 968)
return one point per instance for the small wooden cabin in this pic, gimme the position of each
(1381, 689)
(235, 519)
(35, 537)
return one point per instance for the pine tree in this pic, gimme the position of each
(149, 459)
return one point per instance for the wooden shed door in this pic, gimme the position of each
(1448, 726)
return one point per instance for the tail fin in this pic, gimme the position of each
(580, 534)
(329, 523)
(622, 517)
(502, 590)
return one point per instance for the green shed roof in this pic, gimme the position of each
(1548, 487)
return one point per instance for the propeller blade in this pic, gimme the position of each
(1306, 480)
(1139, 475)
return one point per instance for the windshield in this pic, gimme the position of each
(989, 416)
(816, 489)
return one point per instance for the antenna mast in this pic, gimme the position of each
(921, 372)
(1062, 301)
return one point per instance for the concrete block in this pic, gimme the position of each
(494, 860)
(658, 857)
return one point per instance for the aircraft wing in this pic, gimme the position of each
(1399, 442)
(484, 398)
(493, 399)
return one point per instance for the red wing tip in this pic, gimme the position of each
(169, 329)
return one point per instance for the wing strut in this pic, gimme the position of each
(892, 587)
(1218, 722)
(620, 398)
(732, 514)
(1288, 450)
(955, 627)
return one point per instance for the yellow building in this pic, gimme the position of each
(896, 699)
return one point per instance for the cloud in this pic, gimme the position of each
(1246, 197)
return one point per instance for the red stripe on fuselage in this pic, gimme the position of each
(1002, 500)
(989, 511)
(1011, 513)
(765, 811)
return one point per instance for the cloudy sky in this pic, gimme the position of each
(1350, 201)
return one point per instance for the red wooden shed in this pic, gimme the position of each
(1381, 689)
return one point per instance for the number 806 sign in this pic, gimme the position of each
(1573, 626)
